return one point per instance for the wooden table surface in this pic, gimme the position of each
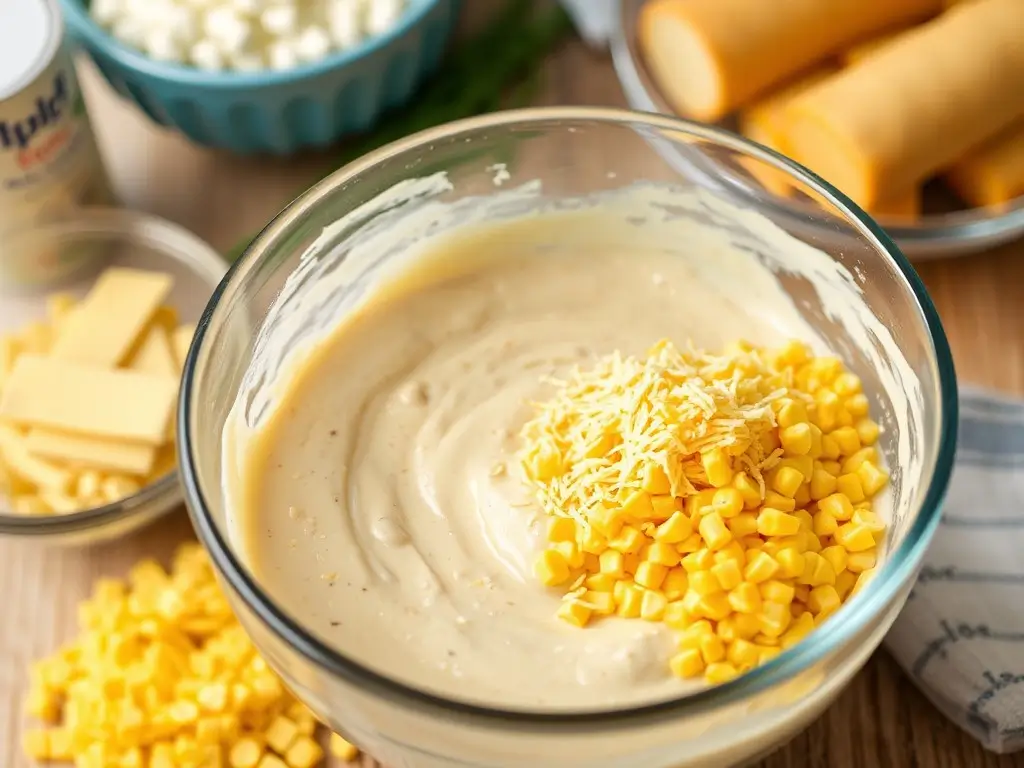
(881, 720)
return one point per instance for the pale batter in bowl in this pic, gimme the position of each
(380, 502)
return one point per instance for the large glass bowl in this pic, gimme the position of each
(573, 153)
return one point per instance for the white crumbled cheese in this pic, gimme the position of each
(245, 35)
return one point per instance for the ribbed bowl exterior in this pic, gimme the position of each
(277, 113)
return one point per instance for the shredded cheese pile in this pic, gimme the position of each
(163, 676)
(728, 496)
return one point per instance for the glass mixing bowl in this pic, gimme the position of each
(573, 153)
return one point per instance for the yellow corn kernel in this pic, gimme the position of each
(858, 562)
(281, 733)
(676, 583)
(817, 571)
(606, 520)
(728, 502)
(591, 541)
(561, 529)
(655, 480)
(720, 672)
(848, 440)
(612, 563)
(826, 411)
(712, 649)
(775, 522)
(676, 615)
(862, 580)
(545, 462)
(823, 483)
(761, 567)
(796, 439)
(245, 753)
(867, 431)
(806, 519)
(650, 575)
(343, 749)
(857, 405)
(774, 618)
(731, 551)
(715, 607)
(699, 501)
(745, 598)
(852, 463)
(846, 384)
(823, 600)
(701, 560)
(716, 467)
(304, 753)
(727, 574)
(574, 612)
(744, 524)
(824, 524)
(704, 583)
(777, 592)
(778, 501)
(662, 554)
(687, 663)
(836, 557)
(267, 761)
(601, 603)
(629, 603)
(601, 582)
(714, 532)
(628, 541)
(676, 529)
(652, 605)
(850, 487)
(664, 507)
(691, 636)
(638, 506)
(871, 478)
(551, 568)
(787, 481)
(844, 584)
(743, 654)
(838, 506)
(854, 537)
(792, 354)
(799, 629)
(791, 413)
(749, 490)
(791, 563)
(829, 447)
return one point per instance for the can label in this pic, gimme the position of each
(49, 165)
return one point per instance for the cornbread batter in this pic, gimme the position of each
(378, 500)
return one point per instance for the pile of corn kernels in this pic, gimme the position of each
(163, 676)
(729, 497)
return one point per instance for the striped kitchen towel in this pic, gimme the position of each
(960, 637)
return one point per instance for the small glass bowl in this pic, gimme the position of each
(952, 232)
(99, 238)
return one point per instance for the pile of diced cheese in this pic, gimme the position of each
(87, 396)
(729, 497)
(244, 35)
(162, 675)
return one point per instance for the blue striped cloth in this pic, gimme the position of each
(960, 637)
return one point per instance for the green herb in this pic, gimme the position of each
(498, 67)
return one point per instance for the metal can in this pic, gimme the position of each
(49, 161)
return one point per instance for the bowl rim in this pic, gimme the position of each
(81, 23)
(933, 235)
(891, 577)
(171, 241)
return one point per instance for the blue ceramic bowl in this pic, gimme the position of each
(277, 112)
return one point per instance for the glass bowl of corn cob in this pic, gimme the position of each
(89, 374)
(672, 558)
(943, 206)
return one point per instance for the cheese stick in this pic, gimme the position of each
(857, 53)
(906, 206)
(765, 121)
(916, 105)
(711, 56)
(993, 173)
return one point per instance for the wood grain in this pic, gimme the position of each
(881, 720)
